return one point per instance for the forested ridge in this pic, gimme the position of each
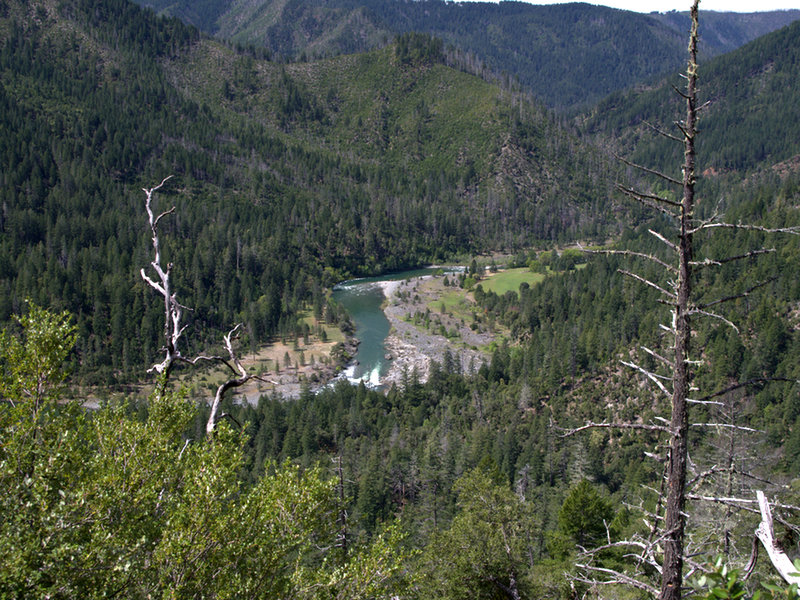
(567, 55)
(288, 177)
(403, 452)
(751, 119)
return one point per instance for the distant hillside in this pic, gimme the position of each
(753, 119)
(725, 31)
(287, 177)
(568, 55)
(203, 14)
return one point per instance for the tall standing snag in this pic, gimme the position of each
(674, 380)
(672, 569)
(172, 309)
(173, 327)
(679, 299)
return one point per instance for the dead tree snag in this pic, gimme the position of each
(174, 328)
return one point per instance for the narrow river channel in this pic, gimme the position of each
(362, 298)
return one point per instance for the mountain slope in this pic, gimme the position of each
(567, 55)
(287, 177)
(752, 121)
(295, 28)
(723, 32)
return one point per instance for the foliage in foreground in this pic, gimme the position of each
(104, 504)
(721, 582)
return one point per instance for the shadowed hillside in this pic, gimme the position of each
(567, 55)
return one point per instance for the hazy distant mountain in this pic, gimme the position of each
(725, 31)
(567, 55)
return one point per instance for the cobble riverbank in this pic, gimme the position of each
(413, 346)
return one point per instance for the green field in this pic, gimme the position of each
(510, 280)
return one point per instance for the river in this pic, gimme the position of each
(362, 298)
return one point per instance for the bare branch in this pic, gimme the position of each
(743, 294)
(663, 239)
(708, 473)
(766, 534)
(655, 457)
(749, 475)
(163, 214)
(667, 329)
(645, 196)
(657, 356)
(648, 203)
(649, 257)
(645, 557)
(158, 187)
(617, 578)
(749, 382)
(669, 295)
(152, 283)
(682, 95)
(652, 376)
(738, 503)
(652, 172)
(683, 129)
(604, 425)
(235, 382)
(746, 227)
(663, 133)
(230, 417)
(727, 426)
(751, 564)
(705, 402)
(203, 358)
(708, 262)
(705, 313)
(185, 445)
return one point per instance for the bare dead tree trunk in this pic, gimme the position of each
(672, 569)
(235, 365)
(664, 550)
(172, 309)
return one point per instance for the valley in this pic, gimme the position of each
(430, 318)
(245, 383)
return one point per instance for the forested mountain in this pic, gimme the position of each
(288, 177)
(751, 121)
(567, 55)
(722, 32)
(472, 461)
(413, 451)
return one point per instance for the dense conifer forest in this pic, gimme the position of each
(382, 170)
(291, 176)
(751, 120)
(567, 55)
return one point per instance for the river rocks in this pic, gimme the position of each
(415, 347)
(407, 359)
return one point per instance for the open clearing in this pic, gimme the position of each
(509, 280)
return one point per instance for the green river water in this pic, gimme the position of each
(363, 298)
